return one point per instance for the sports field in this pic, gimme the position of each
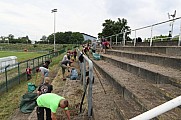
(21, 56)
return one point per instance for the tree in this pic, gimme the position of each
(2, 39)
(11, 36)
(43, 40)
(77, 38)
(114, 27)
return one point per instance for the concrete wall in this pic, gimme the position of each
(168, 50)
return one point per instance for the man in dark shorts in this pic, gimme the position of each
(65, 65)
(44, 73)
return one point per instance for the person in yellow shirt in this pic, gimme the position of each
(51, 101)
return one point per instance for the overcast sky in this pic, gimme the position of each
(34, 17)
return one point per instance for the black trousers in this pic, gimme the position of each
(40, 113)
(94, 51)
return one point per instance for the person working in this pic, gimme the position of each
(65, 65)
(73, 74)
(52, 101)
(44, 73)
(44, 88)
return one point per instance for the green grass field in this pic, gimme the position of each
(21, 56)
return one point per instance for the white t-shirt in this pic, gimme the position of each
(65, 58)
(44, 71)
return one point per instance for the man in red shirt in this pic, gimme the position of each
(28, 73)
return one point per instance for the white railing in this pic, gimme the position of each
(159, 109)
(83, 77)
(123, 33)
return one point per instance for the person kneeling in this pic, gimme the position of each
(73, 74)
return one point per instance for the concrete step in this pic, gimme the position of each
(158, 59)
(169, 91)
(136, 88)
(154, 73)
(168, 50)
(110, 104)
(126, 107)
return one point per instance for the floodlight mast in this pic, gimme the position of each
(171, 24)
(54, 11)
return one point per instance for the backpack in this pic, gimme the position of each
(31, 87)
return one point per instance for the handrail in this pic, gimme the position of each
(159, 109)
(156, 24)
(148, 26)
(83, 72)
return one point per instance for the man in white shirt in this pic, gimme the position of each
(44, 73)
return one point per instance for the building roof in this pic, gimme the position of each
(89, 35)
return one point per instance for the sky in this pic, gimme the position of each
(34, 17)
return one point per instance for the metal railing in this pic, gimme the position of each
(159, 109)
(83, 78)
(123, 34)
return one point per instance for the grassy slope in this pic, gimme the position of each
(10, 100)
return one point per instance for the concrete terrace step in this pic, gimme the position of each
(154, 73)
(126, 107)
(136, 88)
(168, 50)
(169, 91)
(111, 105)
(158, 59)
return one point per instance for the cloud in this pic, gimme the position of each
(34, 18)
(140, 13)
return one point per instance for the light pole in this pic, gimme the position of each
(54, 11)
(171, 24)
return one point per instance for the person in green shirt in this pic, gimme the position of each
(52, 101)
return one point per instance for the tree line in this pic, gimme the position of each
(11, 39)
(60, 38)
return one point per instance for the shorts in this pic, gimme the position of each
(64, 67)
(103, 46)
(46, 74)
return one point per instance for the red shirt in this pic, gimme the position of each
(28, 70)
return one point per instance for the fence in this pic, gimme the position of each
(10, 78)
(120, 38)
(83, 78)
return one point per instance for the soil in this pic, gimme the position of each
(70, 89)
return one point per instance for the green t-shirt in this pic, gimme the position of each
(49, 100)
